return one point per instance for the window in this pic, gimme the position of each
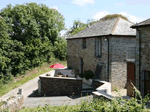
(98, 47)
(84, 43)
(81, 66)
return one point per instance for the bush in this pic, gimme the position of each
(87, 75)
(82, 75)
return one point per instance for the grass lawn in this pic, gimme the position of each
(30, 74)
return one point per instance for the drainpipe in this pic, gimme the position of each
(139, 59)
(108, 60)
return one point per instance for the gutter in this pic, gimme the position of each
(139, 59)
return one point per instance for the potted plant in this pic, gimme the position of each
(87, 77)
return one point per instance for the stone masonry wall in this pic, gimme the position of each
(118, 50)
(75, 51)
(60, 86)
(145, 56)
(119, 47)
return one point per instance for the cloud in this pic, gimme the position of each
(99, 15)
(54, 7)
(83, 2)
(131, 18)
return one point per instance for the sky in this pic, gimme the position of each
(135, 10)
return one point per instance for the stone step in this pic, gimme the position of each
(87, 91)
(102, 94)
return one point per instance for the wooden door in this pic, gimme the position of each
(130, 78)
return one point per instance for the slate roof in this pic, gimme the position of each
(115, 26)
(142, 24)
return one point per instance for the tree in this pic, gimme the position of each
(28, 34)
(33, 21)
(60, 49)
(79, 26)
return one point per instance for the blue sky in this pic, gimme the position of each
(135, 10)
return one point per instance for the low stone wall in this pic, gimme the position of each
(12, 104)
(60, 86)
(96, 83)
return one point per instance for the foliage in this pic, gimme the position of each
(77, 30)
(77, 27)
(87, 74)
(111, 16)
(60, 49)
(33, 21)
(97, 105)
(27, 36)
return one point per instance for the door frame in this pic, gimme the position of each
(128, 85)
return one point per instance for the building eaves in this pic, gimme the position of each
(145, 23)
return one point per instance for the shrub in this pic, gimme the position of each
(87, 75)
(82, 75)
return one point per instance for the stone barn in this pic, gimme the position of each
(106, 46)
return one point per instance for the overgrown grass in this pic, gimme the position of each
(111, 16)
(97, 105)
(28, 76)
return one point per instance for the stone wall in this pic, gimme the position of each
(60, 86)
(75, 51)
(145, 56)
(118, 49)
(12, 104)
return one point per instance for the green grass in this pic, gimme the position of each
(8, 87)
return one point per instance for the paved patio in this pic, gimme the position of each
(122, 93)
